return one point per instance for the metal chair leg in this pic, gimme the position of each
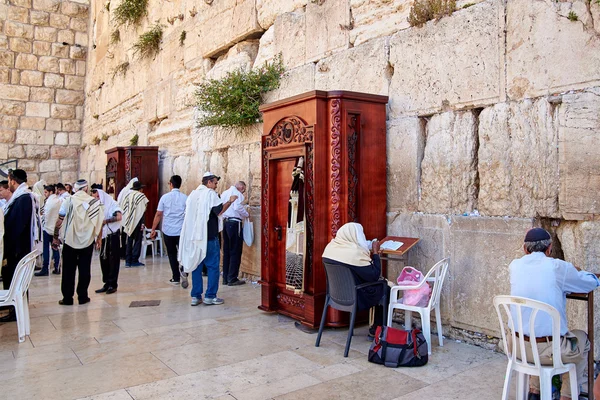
(350, 331)
(322, 321)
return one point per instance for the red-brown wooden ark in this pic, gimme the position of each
(341, 138)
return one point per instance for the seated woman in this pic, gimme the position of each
(350, 249)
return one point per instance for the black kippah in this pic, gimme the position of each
(20, 174)
(536, 234)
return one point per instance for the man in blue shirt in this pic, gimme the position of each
(171, 209)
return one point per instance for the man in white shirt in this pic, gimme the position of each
(540, 277)
(61, 191)
(171, 209)
(51, 208)
(5, 193)
(233, 241)
(82, 216)
(109, 244)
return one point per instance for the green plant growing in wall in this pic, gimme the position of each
(96, 140)
(427, 10)
(120, 70)
(148, 44)
(105, 136)
(572, 16)
(115, 36)
(134, 140)
(130, 12)
(182, 37)
(233, 101)
(468, 5)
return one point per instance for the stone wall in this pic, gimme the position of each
(43, 50)
(493, 117)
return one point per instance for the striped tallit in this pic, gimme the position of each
(134, 207)
(83, 220)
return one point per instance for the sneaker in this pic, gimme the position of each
(138, 264)
(214, 301)
(237, 283)
(174, 282)
(196, 301)
(127, 265)
(56, 271)
(42, 273)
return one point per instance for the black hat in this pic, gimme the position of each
(137, 185)
(536, 234)
(96, 186)
(19, 174)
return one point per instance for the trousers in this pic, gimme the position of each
(172, 242)
(76, 260)
(110, 260)
(233, 244)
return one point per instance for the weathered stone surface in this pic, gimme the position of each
(240, 56)
(266, 48)
(78, 53)
(37, 123)
(290, 38)
(518, 160)
(7, 121)
(533, 67)
(62, 111)
(47, 5)
(45, 95)
(26, 61)
(66, 67)
(21, 3)
(295, 81)
(75, 138)
(54, 125)
(14, 92)
(327, 27)
(45, 33)
(68, 165)
(32, 78)
(4, 75)
(80, 68)
(470, 43)
(79, 24)
(9, 107)
(71, 125)
(40, 18)
(36, 152)
(53, 81)
(7, 135)
(17, 151)
(28, 165)
(449, 169)
(268, 10)
(7, 58)
(42, 48)
(72, 97)
(74, 9)
(60, 152)
(579, 155)
(48, 166)
(81, 39)
(60, 50)
(59, 21)
(376, 18)
(404, 147)
(15, 76)
(18, 14)
(53, 176)
(34, 109)
(4, 151)
(66, 36)
(48, 64)
(17, 29)
(20, 45)
(360, 69)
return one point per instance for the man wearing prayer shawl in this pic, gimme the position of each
(198, 242)
(109, 244)
(50, 215)
(134, 207)
(20, 224)
(82, 216)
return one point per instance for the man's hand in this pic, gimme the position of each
(375, 247)
(56, 243)
(98, 243)
(153, 234)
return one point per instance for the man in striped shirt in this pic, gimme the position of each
(134, 207)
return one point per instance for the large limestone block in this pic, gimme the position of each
(254, 183)
(548, 53)
(376, 18)
(327, 25)
(360, 69)
(238, 166)
(579, 154)
(295, 81)
(266, 48)
(449, 166)
(290, 38)
(14, 92)
(225, 23)
(405, 146)
(481, 250)
(518, 160)
(240, 56)
(455, 62)
(268, 10)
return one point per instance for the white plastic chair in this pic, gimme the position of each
(436, 275)
(525, 367)
(146, 241)
(16, 295)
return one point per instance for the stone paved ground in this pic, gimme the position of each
(106, 350)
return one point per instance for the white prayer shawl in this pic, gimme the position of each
(110, 208)
(124, 192)
(38, 192)
(36, 227)
(193, 239)
(50, 216)
(83, 220)
(133, 210)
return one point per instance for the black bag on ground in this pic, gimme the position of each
(398, 348)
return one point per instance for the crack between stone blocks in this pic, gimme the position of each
(476, 186)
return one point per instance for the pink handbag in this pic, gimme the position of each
(414, 297)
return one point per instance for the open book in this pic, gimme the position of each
(390, 245)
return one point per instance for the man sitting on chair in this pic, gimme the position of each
(540, 277)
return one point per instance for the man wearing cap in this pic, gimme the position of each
(51, 208)
(171, 210)
(199, 243)
(134, 207)
(20, 224)
(82, 216)
(233, 242)
(540, 277)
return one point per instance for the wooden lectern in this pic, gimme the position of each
(324, 164)
(126, 163)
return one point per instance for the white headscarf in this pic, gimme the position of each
(38, 191)
(349, 246)
(123, 193)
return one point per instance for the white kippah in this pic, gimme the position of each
(80, 184)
